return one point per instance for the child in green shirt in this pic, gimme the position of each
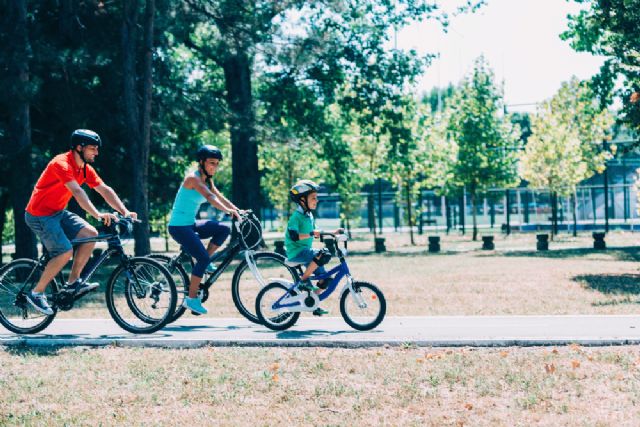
(298, 239)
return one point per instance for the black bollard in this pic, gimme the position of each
(379, 244)
(543, 242)
(434, 243)
(487, 243)
(598, 241)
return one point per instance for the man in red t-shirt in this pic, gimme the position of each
(55, 226)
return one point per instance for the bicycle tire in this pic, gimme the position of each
(9, 295)
(182, 284)
(377, 295)
(245, 298)
(133, 297)
(283, 320)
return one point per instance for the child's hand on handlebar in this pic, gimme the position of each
(316, 233)
(339, 231)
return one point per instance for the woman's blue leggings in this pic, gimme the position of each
(189, 237)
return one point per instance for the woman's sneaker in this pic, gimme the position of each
(195, 305)
(40, 303)
(211, 268)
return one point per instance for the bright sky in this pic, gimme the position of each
(519, 39)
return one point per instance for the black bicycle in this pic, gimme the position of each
(255, 270)
(140, 293)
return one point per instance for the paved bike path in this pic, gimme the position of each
(481, 331)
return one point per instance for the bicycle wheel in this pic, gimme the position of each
(16, 313)
(181, 279)
(245, 286)
(272, 319)
(364, 309)
(141, 295)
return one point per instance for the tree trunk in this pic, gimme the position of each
(554, 214)
(19, 127)
(66, 19)
(141, 178)
(409, 213)
(474, 216)
(244, 146)
(4, 204)
(447, 210)
(138, 125)
(380, 213)
(574, 207)
(462, 213)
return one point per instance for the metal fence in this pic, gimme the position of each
(517, 209)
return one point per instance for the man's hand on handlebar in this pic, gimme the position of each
(106, 218)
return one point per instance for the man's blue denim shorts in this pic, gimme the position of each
(56, 231)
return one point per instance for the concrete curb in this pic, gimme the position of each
(199, 343)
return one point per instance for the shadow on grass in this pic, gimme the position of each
(402, 254)
(611, 284)
(619, 254)
(26, 350)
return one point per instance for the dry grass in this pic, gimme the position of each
(514, 279)
(561, 281)
(252, 386)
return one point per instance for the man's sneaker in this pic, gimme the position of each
(40, 303)
(307, 286)
(195, 305)
(320, 311)
(78, 288)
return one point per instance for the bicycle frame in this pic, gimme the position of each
(340, 271)
(114, 249)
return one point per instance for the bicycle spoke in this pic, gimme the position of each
(142, 297)
(16, 313)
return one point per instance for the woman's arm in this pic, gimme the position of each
(223, 199)
(201, 188)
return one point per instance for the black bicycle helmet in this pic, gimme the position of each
(208, 152)
(84, 137)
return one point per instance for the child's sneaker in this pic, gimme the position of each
(306, 285)
(195, 305)
(320, 311)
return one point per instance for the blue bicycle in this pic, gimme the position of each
(362, 304)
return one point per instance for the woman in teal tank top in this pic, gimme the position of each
(196, 189)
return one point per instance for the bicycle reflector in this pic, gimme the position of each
(250, 231)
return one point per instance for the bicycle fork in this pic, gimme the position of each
(357, 296)
(248, 256)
